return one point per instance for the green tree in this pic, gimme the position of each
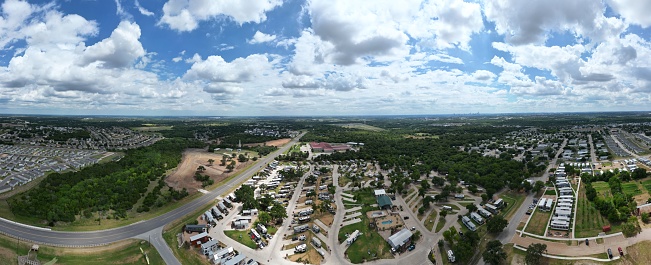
(211, 161)
(264, 217)
(231, 166)
(538, 186)
(494, 253)
(645, 217)
(201, 168)
(496, 224)
(471, 207)
(534, 253)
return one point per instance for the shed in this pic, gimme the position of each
(400, 239)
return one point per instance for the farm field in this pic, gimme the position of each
(647, 185)
(589, 221)
(631, 188)
(361, 126)
(538, 222)
(602, 188)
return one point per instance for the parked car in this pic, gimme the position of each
(610, 254)
(621, 252)
(587, 242)
(406, 217)
(411, 247)
(413, 228)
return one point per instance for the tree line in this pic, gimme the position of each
(112, 187)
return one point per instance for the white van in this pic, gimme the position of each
(447, 208)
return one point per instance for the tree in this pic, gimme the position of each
(484, 197)
(231, 166)
(496, 224)
(241, 158)
(210, 161)
(264, 217)
(471, 207)
(443, 213)
(278, 212)
(645, 217)
(201, 168)
(639, 173)
(311, 179)
(534, 253)
(538, 186)
(473, 189)
(494, 253)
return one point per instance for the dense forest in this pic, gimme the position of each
(393, 151)
(113, 187)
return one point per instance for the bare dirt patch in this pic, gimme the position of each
(183, 175)
(276, 143)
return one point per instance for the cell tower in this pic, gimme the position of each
(239, 144)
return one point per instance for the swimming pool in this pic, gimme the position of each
(388, 222)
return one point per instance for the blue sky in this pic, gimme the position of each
(323, 57)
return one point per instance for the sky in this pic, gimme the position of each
(323, 57)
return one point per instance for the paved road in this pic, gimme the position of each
(102, 237)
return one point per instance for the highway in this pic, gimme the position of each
(103, 237)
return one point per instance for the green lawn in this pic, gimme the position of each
(647, 185)
(125, 252)
(370, 240)
(538, 222)
(431, 219)
(550, 192)
(440, 225)
(602, 188)
(241, 237)
(631, 188)
(589, 221)
(513, 201)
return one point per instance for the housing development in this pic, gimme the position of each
(465, 190)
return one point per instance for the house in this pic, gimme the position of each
(466, 221)
(240, 224)
(477, 218)
(237, 260)
(195, 228)
(209, 246)
(400, 240)
(222, 253)
(199, 238)
(560, 225)
(542, 203)
(491, 208)
(384, 202)
(548, 204)
(484, 213)
(499, 203)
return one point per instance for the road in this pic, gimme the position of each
(103, 237)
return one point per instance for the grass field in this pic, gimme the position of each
(602, 188)
(513, 201)
(370, 241)
(631, 188)
(589, 221)
(242, 237)
(647, 185)
(440, 225)
(152, 128)
(361, 126)
(538, 222)
(124, 252)
(550, 192)
(431, 219)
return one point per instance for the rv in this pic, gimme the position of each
(466, 221)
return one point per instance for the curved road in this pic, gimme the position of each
(102, 237)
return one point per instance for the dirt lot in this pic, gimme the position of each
(277, 143)
(183, 176)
